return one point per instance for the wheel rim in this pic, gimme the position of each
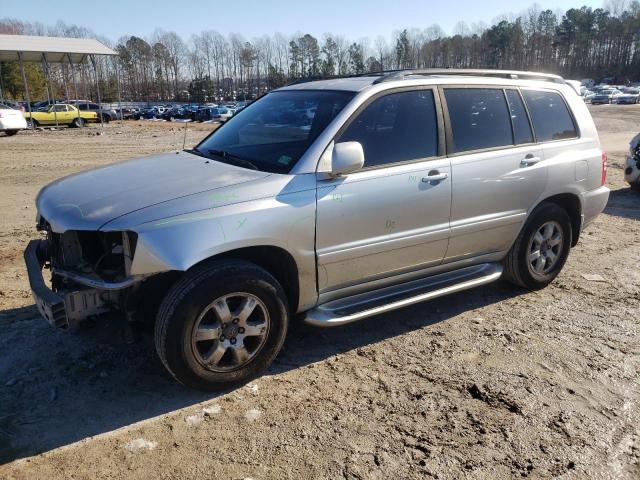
(545, 248)
(230, 332)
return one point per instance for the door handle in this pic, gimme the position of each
(435, 176)
(529, 160)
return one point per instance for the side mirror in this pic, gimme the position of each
(347, 157)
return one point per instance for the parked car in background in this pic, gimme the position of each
(405, 186)
(588, 96)
(15, 105)
(61, 114)
(242, 104)
(11, 119)
(128, 113)
(106, 114)
(607, 95)
(217, 114)
(628, 96)
(151, 113)
(44, 105)
(177, 113)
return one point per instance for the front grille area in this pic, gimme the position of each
(101, 255)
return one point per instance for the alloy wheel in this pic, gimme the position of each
(230, 332)
(545, 248)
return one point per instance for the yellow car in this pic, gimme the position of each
(64, 114)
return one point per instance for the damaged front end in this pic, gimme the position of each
(90, 273)
(632, 166)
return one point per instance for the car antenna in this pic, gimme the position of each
(184, 140)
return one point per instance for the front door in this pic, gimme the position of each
(393, 215)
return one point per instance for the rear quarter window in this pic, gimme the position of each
(550, 116)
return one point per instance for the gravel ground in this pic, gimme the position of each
(494, 382)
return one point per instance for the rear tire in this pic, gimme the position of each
(32, 123)
(10, 133)
(221, 325)
(78, 122)
(541, 249)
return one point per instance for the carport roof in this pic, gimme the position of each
(56, 48)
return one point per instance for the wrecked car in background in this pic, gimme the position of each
(632, 166)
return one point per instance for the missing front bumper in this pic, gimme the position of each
(65, 308)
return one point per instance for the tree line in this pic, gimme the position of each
(581, 43)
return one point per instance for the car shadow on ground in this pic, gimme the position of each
(625, 203)
(60, 387)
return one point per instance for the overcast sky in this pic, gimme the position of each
(252, 18)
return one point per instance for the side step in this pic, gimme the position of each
(358, 307)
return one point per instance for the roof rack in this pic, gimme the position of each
(511, 74)
(336, 77)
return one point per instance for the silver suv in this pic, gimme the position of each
(334, 200)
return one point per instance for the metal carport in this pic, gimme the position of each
(71, 51)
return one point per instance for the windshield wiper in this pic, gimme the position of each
(195, 151)
(234, 159)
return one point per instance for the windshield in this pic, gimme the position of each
(274, 132)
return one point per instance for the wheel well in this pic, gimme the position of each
(275, 260)
(571, 204)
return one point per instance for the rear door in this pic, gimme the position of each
(498, 171)
(389, 217)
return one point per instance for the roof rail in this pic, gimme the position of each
(511, 74)
(334, 77)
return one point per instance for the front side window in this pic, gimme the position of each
(549, 114)
(273, 132)
(395, 128)
(479, 118)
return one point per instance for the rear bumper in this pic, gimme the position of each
(13, 123)
(593, 203)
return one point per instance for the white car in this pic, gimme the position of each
(11, 120)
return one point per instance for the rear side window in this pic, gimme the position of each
(395, 128)
(549, 114)
(479, 118)
(519, 119)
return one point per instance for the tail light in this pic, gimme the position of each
(603, 178)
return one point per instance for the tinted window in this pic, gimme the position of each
(549, 114)
(479, 118)
(521, 128)
(395, 128)
(275, 131)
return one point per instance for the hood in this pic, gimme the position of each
(88, 200)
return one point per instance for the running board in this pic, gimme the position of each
(364, 305)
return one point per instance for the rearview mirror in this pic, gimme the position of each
(347, 157)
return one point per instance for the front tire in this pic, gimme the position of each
(221, 325)
(10, 133)
(541, 249)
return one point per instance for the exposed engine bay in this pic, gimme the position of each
(89, 272)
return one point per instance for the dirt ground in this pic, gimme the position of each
(494, 382)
